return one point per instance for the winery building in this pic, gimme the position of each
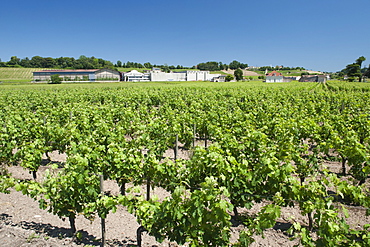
(157, 75)
(78, 75)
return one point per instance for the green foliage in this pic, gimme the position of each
(211, 66)
(237, 65)
(199, 218)
(55, 79)
(229, 77)
(215, 66)
(354, 70)
(238, 73)
(6, 183)
(265, 143)
(66, 193)
(82, 62)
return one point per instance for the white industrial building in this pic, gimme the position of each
(133, 76)
(136, 76)
(158, 75)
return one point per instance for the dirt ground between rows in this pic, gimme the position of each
(23, 223)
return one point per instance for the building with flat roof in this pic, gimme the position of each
(158, 75)
(313, 78)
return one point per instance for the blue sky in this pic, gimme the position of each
(323, 35)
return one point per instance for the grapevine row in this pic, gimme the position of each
(263, 145)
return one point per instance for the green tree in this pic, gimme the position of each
(238, 74)
(55, 79)
(360, 60)
(37, 62)
(229, 77)
(165, 68)
(119, 63)
(211, 66)
(14, 60)
(49, 62)
(354, 70)
(234, 65)
(367, 72)
(237, 65)
(25, 62)
(148, 65)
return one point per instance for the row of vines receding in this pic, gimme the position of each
(240, 147)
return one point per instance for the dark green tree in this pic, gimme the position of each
(119, 63)
(229, 77)
(360, 60)
(148, 65)
(234, 65)
(48, 62)
(354, 70)
(211, 66)
(238, 73)
(25, 62)
(37, 62)
(14, 60)
(55, 79)
(237, 65)
(367, 72)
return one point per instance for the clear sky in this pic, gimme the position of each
(323, 35)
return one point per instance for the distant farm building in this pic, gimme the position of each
(221, 78)
(274, 76)
(78, 75)
(313, 78)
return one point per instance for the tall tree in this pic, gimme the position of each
(148, 65)
(37, 62)
(367, 72)
(25, 62)
(234, 65)
(238, 74)
(360, 60)
(354, 70)
(211, 66)
(14, 60)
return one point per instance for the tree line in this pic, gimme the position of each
(215, 66)
(82, 62)
(148, 65)
(271, 68)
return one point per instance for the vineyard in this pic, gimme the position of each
(17, 74)
(215, 150)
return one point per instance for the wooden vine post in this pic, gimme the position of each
(102, 219)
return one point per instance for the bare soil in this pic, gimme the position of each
(23, 223)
